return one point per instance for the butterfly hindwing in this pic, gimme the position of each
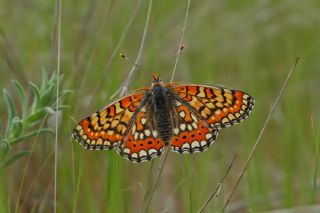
(219, 107)
(190, 134)
(106, 128)
(143, 141)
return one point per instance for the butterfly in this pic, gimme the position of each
(185, 116)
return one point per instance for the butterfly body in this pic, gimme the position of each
(186, 117)
(162, 103)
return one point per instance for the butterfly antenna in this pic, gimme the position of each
(130, 61)
(171, 60)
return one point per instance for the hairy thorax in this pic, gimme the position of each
(161, 110)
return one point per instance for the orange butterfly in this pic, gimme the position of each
(141, 124)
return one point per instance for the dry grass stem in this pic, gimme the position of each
(260, 135)
(216, 192)
(58, 22)
(114, 53)
(95, 46)
(181, 40)
(124, 86)
(153, 184)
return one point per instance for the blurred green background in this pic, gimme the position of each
(247, 45)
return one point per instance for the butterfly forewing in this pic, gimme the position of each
(107, 128)
(219, 107)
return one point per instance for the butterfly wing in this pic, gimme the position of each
(107, 128)
(219, 107)
(143, 141)
(129, 125)
(191, 133)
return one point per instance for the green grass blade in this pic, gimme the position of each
(14, 158)
(65, 92)
(30, 135)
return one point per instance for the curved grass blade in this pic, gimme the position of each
(30, 135)
(14, 158)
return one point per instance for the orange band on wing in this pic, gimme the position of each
(220, 107)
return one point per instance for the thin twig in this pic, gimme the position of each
(94, 47)
(57, 104)
(181, 40)
(260, 135)
(218, 188)
(171, 61)
(124, 86)
(114, 53)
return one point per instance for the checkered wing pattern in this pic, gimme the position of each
(107, 128)
(191, 134)
(219, 107)
(143, 141)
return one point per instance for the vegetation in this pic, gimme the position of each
(248, 45)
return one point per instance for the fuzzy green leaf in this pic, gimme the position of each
(65, 92)
(22, 96)
(10, 107)
(63, 107)
(4, 147)
(17, 128)
(14, 158)
(37, 97)
(48, 95)
(45, 79)
(39, 114)
(30, 135)
(54, 78)
(2, 129)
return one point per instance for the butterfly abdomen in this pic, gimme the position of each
(161, 113)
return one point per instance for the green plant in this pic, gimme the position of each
(27, 124)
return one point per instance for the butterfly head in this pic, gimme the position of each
(156, 80)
